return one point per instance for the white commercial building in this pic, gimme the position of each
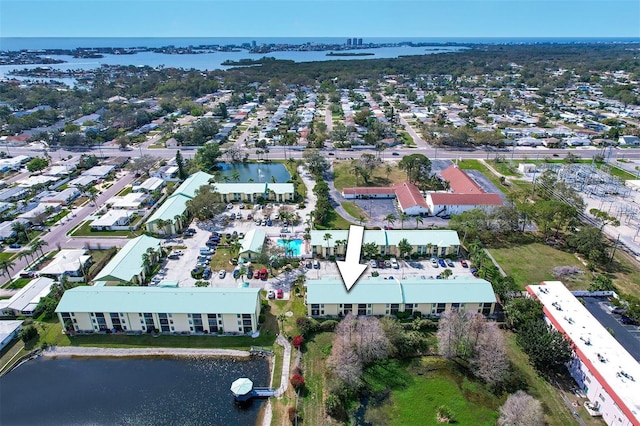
(606, 372)
(8, 331)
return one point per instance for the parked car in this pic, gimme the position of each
(263, 274)
(249, 216)
(628, 320)
(442, 263)
(450, 263)
(279, 293)
(236, 272)
(241, 235)
(229, 206)
(232, 216)
(434, 262)
(373, 263)
(316, 264)
(269, 222)
(264, 222)
(256, 275)
(381, 264)
(271, 294)
(394, 263)
(395, 153)
(239, 216)
(464, 263)
(308, 264)
(222, 273)
(212, 243)
(27, 275)
(206, 274)
(15, 246)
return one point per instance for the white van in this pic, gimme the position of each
(394, 263)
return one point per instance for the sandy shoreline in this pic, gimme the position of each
(71, 351)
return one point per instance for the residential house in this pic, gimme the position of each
(629, 141)
(183, 310)
(39, 213)
(25, 301)
(64, 197)
(9, 330)
(112, 220)
(150, 185)
(128, 265)
(603, 369)
(134, 201)
(14, 193)
(328, 297)
(71, 263)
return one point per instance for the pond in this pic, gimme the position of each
(136, 391)
(254, 172)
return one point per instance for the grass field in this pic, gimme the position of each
(313, 362)
(335, 222)
(344, 178)
(19, 283)
(353, 209)
(532, 263)
(421, 387)
(6, 255)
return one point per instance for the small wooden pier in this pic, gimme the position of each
(243, 390)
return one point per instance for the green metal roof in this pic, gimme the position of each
(416, 237)
(172, 207)
(193, 183)
(127, 263)
(253, 241)
(411, 290)
(160, 300)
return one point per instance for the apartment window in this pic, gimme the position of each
(395, 307)
(440, 308)
(315, 310)
(348, 307)
(455, 306)
(601, 397)
(408, 307)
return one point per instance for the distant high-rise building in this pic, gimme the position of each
(359, 42)
(355, 41)
(348, 42)
(253, 43)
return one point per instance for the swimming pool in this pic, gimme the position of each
(291, 247)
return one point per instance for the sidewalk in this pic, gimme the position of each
(286, 362)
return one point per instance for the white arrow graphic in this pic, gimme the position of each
(350, 268)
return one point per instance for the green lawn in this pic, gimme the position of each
(84, 230)
(532, 263)
(19, 283)
(424, 385)
(507, 168)
(335, 222)
(344, 177)
(126, 190)
(6, 255)
(353, 209)
(407, 139)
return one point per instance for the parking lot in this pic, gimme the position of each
(179, 267)
(627, 335)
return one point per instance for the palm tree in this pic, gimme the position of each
(20, 228)
(235, 248)
(161, 223)
(419, 221)
(361, 220)
(146, 262)
(388, 169)
(7, 265)
(390, 219)
(404, 247)
(340, 243)
(177, 221)
(403, 218)
(37, 246)
(24, 254)
(235, 175)
(273, 179)
(327, 237)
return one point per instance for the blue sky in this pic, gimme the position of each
(320, 18)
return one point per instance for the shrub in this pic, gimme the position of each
(307, 325)
(261, 318)
(403, 315)
(445, 415)
(333, 405)
(417, 314)
(297, 381)
(294, 417)
(28, 333)
(328, 325)
(298, 341)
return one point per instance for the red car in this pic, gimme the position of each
(263, 274)
(279, 293)
(464, 263)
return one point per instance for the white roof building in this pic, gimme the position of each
(112, 218)
(68, 262)
(131, 201)
(149, 185)
(9, 330)
(606, 372)
(25, 301)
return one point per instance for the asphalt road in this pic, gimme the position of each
(626, 335)
(58, 234)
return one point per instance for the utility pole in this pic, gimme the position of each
(615, 246)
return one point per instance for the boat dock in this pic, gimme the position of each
(256, 393)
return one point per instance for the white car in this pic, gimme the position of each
(394, 263)
(373, 263)
(229, 206)
(434, 262)
(222, 273)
